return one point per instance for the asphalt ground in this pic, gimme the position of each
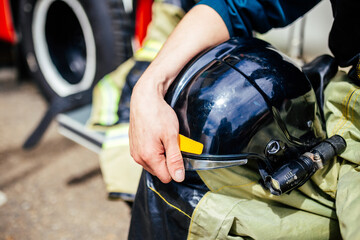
(55, 190)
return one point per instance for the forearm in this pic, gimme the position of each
(200, 29)
(154, 126)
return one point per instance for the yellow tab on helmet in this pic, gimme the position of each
(190, 146)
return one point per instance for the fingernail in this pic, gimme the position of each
(179, 175)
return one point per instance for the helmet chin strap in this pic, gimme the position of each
(192, 164)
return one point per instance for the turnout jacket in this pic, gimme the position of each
(229, 203)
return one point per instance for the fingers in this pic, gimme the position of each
(158, 168)
(174, 159)
(151, 157)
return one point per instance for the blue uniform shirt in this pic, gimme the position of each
(243, 16)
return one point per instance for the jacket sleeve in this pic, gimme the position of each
(244, 16)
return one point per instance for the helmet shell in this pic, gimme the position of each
(240, 95)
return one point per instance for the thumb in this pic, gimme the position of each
(174, 159)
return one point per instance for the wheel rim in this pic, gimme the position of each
(64, 45)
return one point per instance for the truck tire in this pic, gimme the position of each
(71, 44)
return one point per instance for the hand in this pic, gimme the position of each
(153, 133)
(154, 127)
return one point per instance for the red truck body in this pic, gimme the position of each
(7, 30)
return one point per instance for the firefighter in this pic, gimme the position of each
(154, 130)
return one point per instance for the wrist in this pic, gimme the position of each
(155, 81)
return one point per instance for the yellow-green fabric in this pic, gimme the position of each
(106, 97)
(119, 170)
(342, 111)
(237, 207)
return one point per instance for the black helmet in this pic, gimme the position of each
(245, 99)
(241, 95)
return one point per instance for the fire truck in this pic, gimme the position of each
(67, 46)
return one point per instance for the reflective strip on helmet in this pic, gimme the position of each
(117, 136)
(149, 51)
(110, 97)
(190, 146)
